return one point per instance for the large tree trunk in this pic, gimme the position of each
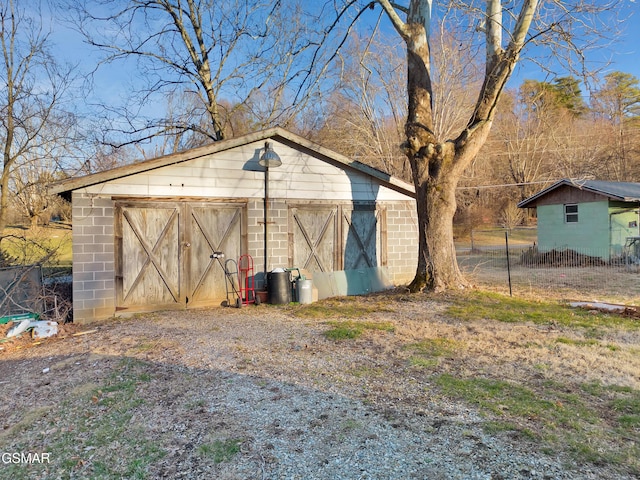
(437, 266)
(435, 176)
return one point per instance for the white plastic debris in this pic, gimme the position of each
(43, 329)
(39, 328)
(19, 328)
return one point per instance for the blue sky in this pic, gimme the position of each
(621, 52)
(626, 55)
(114, 81)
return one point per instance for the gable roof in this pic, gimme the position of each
(621, 191)
(65, 187)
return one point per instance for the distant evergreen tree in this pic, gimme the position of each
(619, 98)
(562, 94)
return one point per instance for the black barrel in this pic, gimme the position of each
(279, 286)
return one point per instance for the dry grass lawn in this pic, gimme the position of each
(548, 378)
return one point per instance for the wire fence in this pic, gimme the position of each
(519, 268)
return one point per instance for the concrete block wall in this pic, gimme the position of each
(255, 234)
(277, 239)
(93, 258)
(402, 241)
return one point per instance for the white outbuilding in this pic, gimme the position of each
(144, 234)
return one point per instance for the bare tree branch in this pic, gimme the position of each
(33, 125)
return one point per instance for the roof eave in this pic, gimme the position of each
(340, 160)
(64, 188)
(526, 203)
(70, 184)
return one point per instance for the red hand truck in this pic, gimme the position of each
(247, 280)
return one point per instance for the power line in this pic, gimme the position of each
(479, 187)
(541, 152)
(557, 137)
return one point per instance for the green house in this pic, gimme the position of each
(592, 217)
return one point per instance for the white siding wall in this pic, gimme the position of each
(236, 173)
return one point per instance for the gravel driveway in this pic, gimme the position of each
(259, 393)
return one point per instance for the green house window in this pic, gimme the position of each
(571, 213)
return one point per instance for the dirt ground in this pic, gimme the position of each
(161, 395)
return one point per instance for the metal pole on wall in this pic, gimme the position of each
(268, 159)
(506, 241)
(266, 215)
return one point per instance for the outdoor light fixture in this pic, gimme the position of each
(268, 159)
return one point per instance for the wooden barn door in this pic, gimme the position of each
(148, 254)
(326, 238)
(163, 252)
(363, 237)
(313, 231)
(211, 228)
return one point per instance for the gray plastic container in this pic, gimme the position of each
(304, 291)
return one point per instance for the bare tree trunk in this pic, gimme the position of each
(7, 160)
(437, 266)
(4, 202)
(434, 176)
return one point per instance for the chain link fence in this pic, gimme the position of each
(511, 263)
